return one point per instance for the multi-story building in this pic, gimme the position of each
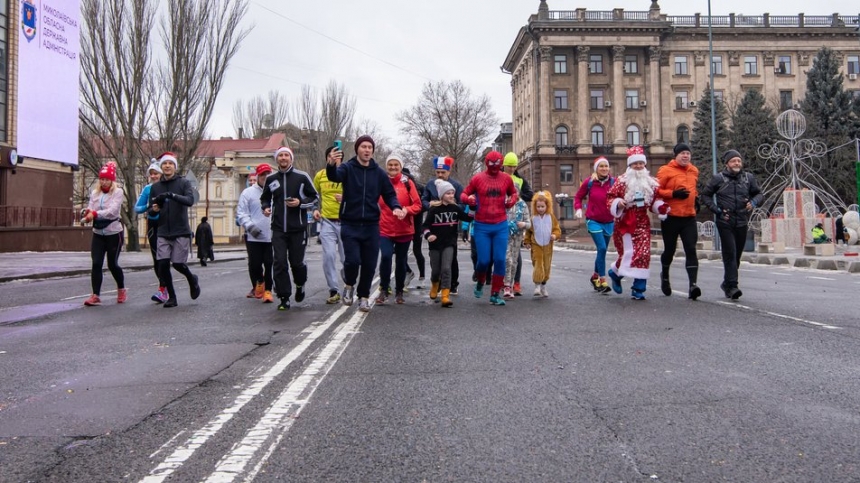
(588, 83)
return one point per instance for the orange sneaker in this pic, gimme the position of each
(259, 290)
(121, 295)
(267, 297)
(93, 300)
(518, 291)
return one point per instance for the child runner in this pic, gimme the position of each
(540, 239)
(440, 230)
(519, 220)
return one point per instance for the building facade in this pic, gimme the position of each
(590, 83)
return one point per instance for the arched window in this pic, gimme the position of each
(633, 135)
(597, 135)
(683, 134)
(561, 136)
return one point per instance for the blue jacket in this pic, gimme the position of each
(362, 187)
(143, 203)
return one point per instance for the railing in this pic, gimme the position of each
(698, 20)
(602, 149)
(568, 149)
(30, 216)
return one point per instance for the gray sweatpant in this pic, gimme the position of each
(440, 266)
(332, 248)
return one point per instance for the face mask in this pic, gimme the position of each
(105, 189)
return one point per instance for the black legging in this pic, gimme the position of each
(152, 237)
(671, 228)
(167, 278)
(417, 241)
(732, 241)
(260, 260)
(110, 245)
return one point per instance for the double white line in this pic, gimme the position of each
(280, 415)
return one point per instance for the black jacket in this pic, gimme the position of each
(732, 191)
(281, 185)
(174, 197)
(362, 188)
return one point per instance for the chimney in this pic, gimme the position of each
(241, 133)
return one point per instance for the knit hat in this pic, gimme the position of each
(681, 147)
(168, 156)
(362, 139)
(108, 171)
(154, 166)
(511, 160)
(599, 161)
(394, 157)
(262, 169)
(284, 149)
(731, 153)
(636, 153)
(443, 187)
(443, 162)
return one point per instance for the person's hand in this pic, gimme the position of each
(267, 212)
(293, 202)
(255, 231)
(471, 200)
(88, 217)
(622, 204)
(338, 197)
(749, 206)
(681, 193)
(431, 238)
(316, 215)
(334, 157)
(521, 224)
(155, 208)
(664, 209)
(527, 246)
(578, 213)
(399, 213)
(553, 237)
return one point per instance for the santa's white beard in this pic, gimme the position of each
(639, 180)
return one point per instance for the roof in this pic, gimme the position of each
(212, 148)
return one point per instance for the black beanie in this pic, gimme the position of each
(362, 139)
(731, 153)
(681, 147)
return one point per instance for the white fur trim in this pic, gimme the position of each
(613, 209)
(636, 157)
(625, 270)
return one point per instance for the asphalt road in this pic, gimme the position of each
(577, 387)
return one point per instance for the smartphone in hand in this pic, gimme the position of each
(338, 145)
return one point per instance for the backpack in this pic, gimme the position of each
(591, 182)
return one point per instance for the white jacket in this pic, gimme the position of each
(249, 214)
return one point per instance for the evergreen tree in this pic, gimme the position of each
(700, 139)
(829, 119)
(753, 124)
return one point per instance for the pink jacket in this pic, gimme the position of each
(597, 208)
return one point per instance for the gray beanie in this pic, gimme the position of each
(443, 187)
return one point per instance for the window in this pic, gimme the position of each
(595, 63)
(681, 65)
(566, 212)
(597, 99)
(633, 135)
(681, 100)
(717, 64)
(631, 99)
(565, 172)
(561, 64)
(750, 65)
(631, 64)
(718, 96)
(854, 64)
(597, 135)
(856, 95)
(4, 74)
(783, 66)
(561, 99)
(561, 136)
(683, 134)
(786, 100)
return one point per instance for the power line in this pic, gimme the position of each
(342, 43)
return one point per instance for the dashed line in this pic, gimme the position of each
(821, 278)
(778, 315)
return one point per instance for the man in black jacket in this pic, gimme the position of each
(287, 196)
(732, 195)
(171, 198)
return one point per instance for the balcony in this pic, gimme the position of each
(602, 149)
(569, 149)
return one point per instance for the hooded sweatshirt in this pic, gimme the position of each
(362, 188)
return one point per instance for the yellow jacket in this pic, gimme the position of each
(329, 206)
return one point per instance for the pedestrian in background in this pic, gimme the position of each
(104, 213)
(258, 236)
(678, 181)
(171, 198)
(598, 220)
(732, 195)
(540, 240)
(205, 241)
(142, 206)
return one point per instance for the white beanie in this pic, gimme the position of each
(443, 187)
(394, 157)
(284, 149)
(154, 165)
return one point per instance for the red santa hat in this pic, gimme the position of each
(168, 156)
(284, 149)
(636, 153)
(599, 161)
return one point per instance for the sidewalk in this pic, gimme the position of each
(35, 265)
(580, 240)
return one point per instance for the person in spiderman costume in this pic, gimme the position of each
(489, 194)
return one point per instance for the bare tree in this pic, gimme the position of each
(133, 107)
(384, 145)
(448, 121)
(322, 119)
(260, 116)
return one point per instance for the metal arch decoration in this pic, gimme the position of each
(794, 163)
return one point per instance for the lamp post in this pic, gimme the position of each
(713, 107)
(560, 198)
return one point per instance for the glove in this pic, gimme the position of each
(578, 213)
(159, 200)
(681, 193)
(255, 231)
(664, 209)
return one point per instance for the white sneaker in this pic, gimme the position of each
(364, 304)
(420, 283)
(348, 294)
(408, 279)
(543, 291)
(538, 292)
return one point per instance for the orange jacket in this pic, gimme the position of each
(673, 176)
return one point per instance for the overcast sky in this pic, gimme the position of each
(384, 51)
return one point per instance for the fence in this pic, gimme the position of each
(31, 216)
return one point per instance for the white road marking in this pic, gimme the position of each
(781, 316)
(181, 454)
(821, 278)
(168, 443)
(283, 412)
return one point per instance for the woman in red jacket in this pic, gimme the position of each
(396, 233)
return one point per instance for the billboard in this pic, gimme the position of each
(48, 72)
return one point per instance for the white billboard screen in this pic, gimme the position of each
(48, 70)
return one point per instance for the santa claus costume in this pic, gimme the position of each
(629, 200)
